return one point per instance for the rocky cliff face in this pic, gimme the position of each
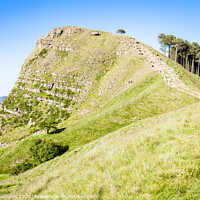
(66, 68)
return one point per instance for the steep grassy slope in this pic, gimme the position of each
(63, 71)
(155, 158)
(130, 135)
(148, 98)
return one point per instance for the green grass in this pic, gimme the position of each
(137, 140)
(148, 98)
(189, 79)
(4, 176)
(155, 158)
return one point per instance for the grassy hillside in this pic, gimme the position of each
(63, 72)
(154, 158)
(131, 137)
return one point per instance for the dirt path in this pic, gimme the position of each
(4, 145)
(170, 77)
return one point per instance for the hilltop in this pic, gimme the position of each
(128, 114)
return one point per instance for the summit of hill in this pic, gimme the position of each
(126, 120)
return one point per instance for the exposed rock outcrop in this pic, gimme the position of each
(69, 65)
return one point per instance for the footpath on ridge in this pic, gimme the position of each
(170, 77)
(158, 64)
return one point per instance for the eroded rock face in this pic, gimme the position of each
(49, 41)
(64, 69)
(39, 87)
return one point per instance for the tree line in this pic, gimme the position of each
(181, 51)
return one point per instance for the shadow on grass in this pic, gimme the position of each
(57, 131)
(6, 189)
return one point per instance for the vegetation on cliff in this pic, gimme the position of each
(128, 121)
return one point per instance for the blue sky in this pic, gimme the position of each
(22, 22)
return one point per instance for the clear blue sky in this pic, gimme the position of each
(24, 21)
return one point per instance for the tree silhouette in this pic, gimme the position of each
(169, 40)
(198, 69)
(178, 43)
(162, 41)
(121, 31)
(185, 53)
